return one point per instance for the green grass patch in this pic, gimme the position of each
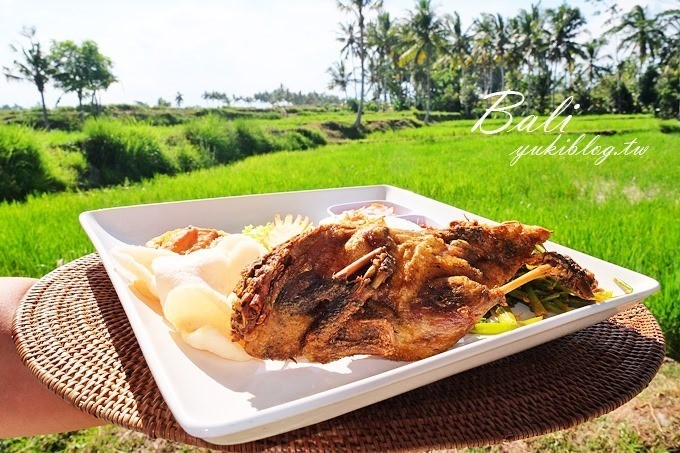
(23, 169)
(623, 210)
(117, 151)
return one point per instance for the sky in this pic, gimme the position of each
(161, 47)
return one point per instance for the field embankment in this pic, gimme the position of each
(132, 144)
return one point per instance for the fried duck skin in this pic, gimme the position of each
(343, 289)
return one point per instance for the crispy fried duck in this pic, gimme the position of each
(346, 289)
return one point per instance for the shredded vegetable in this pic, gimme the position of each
(279, 231)
(623, 285)
(541, 297)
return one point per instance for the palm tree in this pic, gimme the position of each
(530, 38)
(641, 34)
(529, 52)
(382, 38)
(348, 38)
(426, 36)
(340, 78)
(501, 40)
(490, 45)
(359, 8)
(565, 24)
(483, 49)
(34, 67)
(457, 51)
(591, 49)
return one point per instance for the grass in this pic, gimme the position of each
(624, 210)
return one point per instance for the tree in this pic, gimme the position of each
(642, 35)
(216, 96)
(81, 69)
(426, 36)
(530, 39)
(382, 38)
(647, 93)
(340, 78)
(500, 38)
(489, 47)
(668, 86)
(359, 8)
(565, 24)
(179, 99)
(456, 52)
(348, 38)
(669, 89)
(620, 98)
(33, 66)
(591, 49)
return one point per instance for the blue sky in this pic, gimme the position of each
(237, 47)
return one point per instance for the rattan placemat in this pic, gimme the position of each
(73, 334)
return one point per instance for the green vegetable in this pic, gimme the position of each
(260, 233)
(623, 285)
(526, 322)
(492, 328)
(535, 303)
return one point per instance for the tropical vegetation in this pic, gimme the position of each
(428, 61)
(73, 68)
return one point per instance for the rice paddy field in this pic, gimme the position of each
(625, 210)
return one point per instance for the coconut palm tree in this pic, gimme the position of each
(591, 50)
(669, 23)
(359, 8)
(501, 41)
(425, 36)
(456, 52)
(530, 38)
(348, 38)
(640, 34)
(483, 49)
(340, 78)
(382, 39)
(529, 53)
(491, 45)
(33, 66)
(564, 26)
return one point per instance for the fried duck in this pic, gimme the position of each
(346, 289)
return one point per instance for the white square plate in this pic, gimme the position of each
(227, 402)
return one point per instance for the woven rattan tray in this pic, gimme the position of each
(71, 331)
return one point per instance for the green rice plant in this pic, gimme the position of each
(117, 151)
(214, 138)
(316, 137)
(670, 127)
(187, 157)
(623, 211)
(251, 139)
(223, 141)
(298, 139)
(22, 168)
(66, 166)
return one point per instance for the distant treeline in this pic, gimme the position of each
(281, 96)
(429, 61)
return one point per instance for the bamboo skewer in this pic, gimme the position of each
(354, 266)
(540, 271)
